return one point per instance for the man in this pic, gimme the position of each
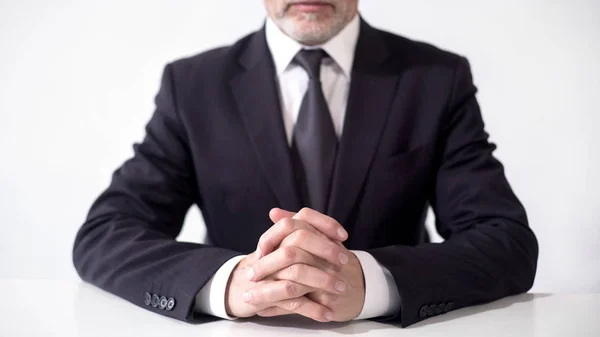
(314, 148)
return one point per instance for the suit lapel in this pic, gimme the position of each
(256, 94)
(372, 91)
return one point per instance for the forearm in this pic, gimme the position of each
(130, 260)
(491, 260)
(127, 245)
(489, 250)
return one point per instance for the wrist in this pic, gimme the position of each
(232, 297)
(359, 285)
(228, 291)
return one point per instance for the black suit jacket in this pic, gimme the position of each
(413, 137)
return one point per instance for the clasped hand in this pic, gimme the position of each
(299, 267)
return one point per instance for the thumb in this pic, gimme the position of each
(276, 214)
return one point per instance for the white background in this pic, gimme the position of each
(78, 78)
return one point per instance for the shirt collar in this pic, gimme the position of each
(340, 48)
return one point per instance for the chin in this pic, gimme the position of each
(308, 32)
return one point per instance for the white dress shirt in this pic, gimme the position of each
(381, 294)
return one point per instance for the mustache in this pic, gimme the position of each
(308, 2)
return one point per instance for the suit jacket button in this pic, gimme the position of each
(170, 304)
(431, 310)
(440, 308)
(449, 306)
(423, 311)
(163, 303)
(147, 298)
(155, 300)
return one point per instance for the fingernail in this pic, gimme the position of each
(258, 253)
(343, 258)
(341, 233)
(247, 297)
(329, 316)
(340, 286)
(250, 274)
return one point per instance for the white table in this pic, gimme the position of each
(55, 308)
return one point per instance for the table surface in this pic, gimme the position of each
(61, 308)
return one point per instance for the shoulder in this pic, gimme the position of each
(219, 61)
(417, 52)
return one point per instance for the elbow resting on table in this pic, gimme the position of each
(523, 253)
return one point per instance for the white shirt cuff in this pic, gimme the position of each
(211, 298)
(381, 294)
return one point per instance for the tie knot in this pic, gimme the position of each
(310, 60)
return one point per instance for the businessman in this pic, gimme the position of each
(314, 148)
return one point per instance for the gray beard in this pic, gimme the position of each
(318, 35)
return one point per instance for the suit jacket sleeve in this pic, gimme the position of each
(127, 244)
(489, 250)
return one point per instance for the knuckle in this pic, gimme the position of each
(265, 240)
(294, 238)
(290, 289)
(289, 254)
(319, 297)
(286, 225)
(294, 271)
(304, 212)
(302, 235)
(262, 238)
(294, 304)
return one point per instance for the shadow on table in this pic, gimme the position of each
(305, 324)
(473, 310)
(363, 327)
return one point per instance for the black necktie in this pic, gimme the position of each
(314, 143)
